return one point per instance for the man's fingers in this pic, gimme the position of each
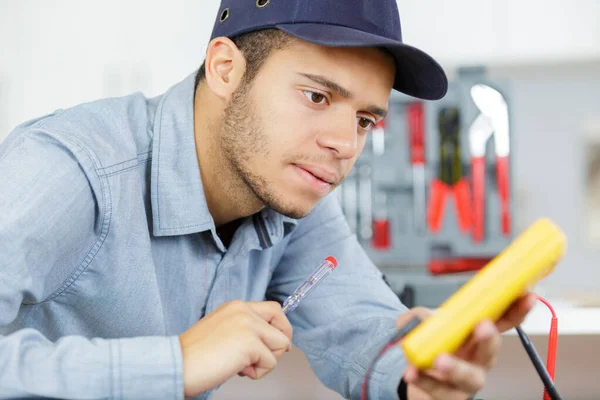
(410, 374)
(265, 365)
(517, 312)
(272, 313)
(260, 368)
(438, 390)
(455, 378)
(279, 353)
(248, 371)
(261, 363)
(420, 312)
(273, 338)
(460, 374)
(451, 379)
(467, 350)
(488, 344)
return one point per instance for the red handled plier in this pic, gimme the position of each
(450, 181)
(493, 106)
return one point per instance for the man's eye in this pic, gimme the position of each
(314, 97)
(365, 123)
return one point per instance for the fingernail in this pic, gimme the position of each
(532, 300)
(486, 329)
(409, 375)
(443, 362)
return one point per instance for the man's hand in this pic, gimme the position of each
(461, 375)
(239, 337)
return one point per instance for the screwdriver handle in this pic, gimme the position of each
(415, 132)
(437, 201)
(462, 202)
(503, 190)
(478, 171)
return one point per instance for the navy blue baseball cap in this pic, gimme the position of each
(340, 23)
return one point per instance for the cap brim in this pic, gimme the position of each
(417, 73)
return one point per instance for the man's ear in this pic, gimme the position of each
(225, 67)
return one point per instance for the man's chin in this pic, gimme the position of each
(294, 211)
(294, 203)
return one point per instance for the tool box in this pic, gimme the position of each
(431, 196)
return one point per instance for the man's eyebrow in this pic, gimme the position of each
(328, 83)
(381, 112)
(331, 85)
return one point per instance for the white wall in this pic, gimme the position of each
(58, 53)
(54, 54)
(553, 112)
(503, 32)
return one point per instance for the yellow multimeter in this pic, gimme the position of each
(528, 259)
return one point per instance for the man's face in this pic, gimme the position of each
(296, 131)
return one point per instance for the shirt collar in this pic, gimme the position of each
(178, 201)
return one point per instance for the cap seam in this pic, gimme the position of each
(335, 24)
(293, 22)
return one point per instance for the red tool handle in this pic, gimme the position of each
(478, 172)
(437, 202)
(462, 202)
(457, 265)
(381, 234)
(552, 344)
(503, 190)
(415, 133)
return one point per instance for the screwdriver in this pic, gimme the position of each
(322, 272)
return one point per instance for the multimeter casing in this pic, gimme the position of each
(527, 260)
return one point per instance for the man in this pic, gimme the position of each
(140, 238)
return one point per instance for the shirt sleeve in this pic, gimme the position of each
(51, 212)
(350, 316)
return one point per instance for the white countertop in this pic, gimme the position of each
(572, 320)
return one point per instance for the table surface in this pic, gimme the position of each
(572, 320)
(513, 377)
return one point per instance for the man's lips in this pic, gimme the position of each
(321, 173)
(315, 183)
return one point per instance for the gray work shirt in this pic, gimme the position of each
(108, 252)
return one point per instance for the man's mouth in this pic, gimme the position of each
(319, 179)
(322, 174)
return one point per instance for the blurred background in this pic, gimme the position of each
(544, 56)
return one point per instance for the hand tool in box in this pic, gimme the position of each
(381, 223)
(450, 181)
(479, 133)
(378, 138)
(443, 266)
(491, 103)
(417, 158)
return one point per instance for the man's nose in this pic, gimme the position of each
(340, 137)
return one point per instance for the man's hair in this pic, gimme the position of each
(256, 47)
